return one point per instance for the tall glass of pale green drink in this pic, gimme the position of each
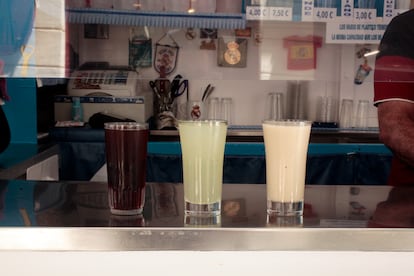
(202, 147)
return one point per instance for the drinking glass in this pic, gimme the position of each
(214, 108)
(202, 221)
(347, 112)
(286, 146)
(361, 119)
(275, 106)
(126, 153)
(227, 110)
(297, 100)
(202, 146)
(127, 221)
(274, 220)
(327, 109)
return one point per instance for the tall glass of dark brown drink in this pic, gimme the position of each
(126, 153)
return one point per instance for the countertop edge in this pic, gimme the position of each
(19, 169)
(205, 239)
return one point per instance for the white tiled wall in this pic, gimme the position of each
(265, 71)
(49, 27)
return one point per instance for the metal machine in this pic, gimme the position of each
(111, 90)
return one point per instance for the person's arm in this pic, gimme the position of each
(396, 128)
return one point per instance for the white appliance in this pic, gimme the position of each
(138, 108)
(111, 81)
(112, 90)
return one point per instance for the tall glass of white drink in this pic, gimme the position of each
(202, 147)
(286, 146)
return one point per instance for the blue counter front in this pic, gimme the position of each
(245, 163)
(83, 155)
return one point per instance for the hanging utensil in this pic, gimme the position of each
(164, 86)
(181, 89)
(176, 83)
(207, 92)
(155, 89)
(210, 91)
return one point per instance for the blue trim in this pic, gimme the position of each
(156, 19)
(322, 149)
(244, 149)
(374, 148)
(167, 148)
(90, 11)
(257, 149)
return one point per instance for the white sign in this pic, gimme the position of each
(365, 15)
(354, 33)
(280, 13)
(325, 14)
(257, 13)
(268, 13)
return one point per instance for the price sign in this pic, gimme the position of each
(280, 13)
(257, 13)
(324, 14)
(365, 15)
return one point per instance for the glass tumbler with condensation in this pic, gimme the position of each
(202, 147)
(286, 146)
(126, 153)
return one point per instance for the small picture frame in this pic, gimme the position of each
(232, 52)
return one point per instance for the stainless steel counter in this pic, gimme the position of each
(15, 160)
(73, 216)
